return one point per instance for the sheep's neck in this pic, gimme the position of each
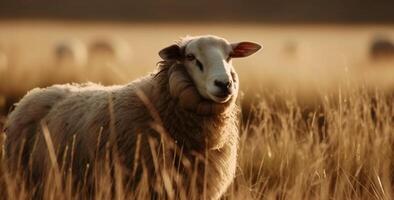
(191, 129)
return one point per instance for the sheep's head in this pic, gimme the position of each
(207, 60)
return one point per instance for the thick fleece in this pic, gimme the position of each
(164, 104)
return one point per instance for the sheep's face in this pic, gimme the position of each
(207, 60)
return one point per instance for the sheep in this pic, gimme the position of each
(70, 53)
(108, 58)
(109, 49)
(187, 104)
(381, 49)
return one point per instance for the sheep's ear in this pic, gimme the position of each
(243, 49)
(172, 52)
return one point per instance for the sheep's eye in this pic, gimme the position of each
(190, 57)
(199, 65)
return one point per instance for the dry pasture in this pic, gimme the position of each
(318, 113)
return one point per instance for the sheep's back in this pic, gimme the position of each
(82, 123)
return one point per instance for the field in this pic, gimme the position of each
(317, 111)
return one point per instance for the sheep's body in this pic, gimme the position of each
(85, 111)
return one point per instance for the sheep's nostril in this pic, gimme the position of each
(224, 86)
(229, 84)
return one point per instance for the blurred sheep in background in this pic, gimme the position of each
(108, 57)
(290, 53)
(381, 49)
(290, 48)
(109, 51)
(71, 53)
(71, 58)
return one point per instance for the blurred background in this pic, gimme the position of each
(309, 45)
(317, 101)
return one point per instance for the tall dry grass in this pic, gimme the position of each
(338, 148)
(343, 149)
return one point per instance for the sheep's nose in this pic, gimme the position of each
(225, 86)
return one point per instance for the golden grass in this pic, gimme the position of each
(341, 149)
(314, 126)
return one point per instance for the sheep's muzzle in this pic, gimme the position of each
(182, 87)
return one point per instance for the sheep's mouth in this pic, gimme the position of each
(221, 97)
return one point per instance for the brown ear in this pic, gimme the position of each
(243, 49)
(172, 52)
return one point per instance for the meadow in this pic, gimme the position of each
(317, 112)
